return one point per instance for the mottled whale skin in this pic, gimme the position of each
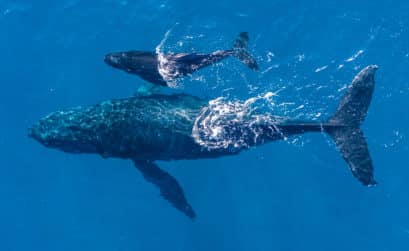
(159, 127)
(159, 69)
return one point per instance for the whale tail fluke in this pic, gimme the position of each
(344, 125)
(241, 52)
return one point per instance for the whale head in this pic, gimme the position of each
(66, 131)
(132, 61)
(116, 59)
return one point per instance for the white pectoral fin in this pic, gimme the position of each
(148, 89)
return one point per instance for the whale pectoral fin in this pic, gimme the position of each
(147, 89)
(168, 185)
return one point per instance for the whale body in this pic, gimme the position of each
(159, 69)
(164, 127)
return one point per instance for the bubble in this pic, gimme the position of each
(167, 68)
(235, 125)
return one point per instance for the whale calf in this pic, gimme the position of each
(160, 69)
(167, 127)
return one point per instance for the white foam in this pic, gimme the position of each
(321, 68)
(166, 67)
(300, 57)
(355, 56)
(270, 68)
(270, 56)
(229, 124)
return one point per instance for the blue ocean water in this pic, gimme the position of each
(290, 195)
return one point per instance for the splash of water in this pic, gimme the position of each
(234, 125)
(167, 68)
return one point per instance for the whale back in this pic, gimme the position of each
(154, 127)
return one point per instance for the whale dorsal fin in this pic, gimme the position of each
(168, 185)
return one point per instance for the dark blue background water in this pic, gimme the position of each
(281, 196)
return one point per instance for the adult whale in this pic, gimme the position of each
(168, 127)
(160, 69)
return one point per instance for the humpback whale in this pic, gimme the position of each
(161, 69)
(168, 127)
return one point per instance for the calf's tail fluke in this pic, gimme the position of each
(240, 51)
(344, 125)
